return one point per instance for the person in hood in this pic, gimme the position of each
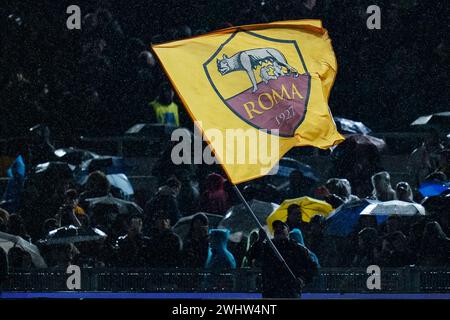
(219, 257)
(215, 199)
(382, 189)
(404, 192)
(277, 281)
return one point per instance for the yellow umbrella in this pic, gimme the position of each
(308, 206)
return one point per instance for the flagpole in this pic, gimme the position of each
(271, 244)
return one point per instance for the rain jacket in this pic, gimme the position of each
(215, 199)
(14, 188)
(219, 257)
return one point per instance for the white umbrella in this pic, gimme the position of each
(8, 241)
(394, 207)
(123, 206)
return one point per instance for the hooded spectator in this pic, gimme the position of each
(219, 257)
(215, 199)
(382, 189)
(403, 192)
(296, 234)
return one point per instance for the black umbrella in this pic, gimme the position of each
(439, 120)
(122, 206)
(74, 156)
(238, 219)
(360, 142)
(348, 126)
(72, 234)
(55, 170)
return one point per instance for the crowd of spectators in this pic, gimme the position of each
(104, 78)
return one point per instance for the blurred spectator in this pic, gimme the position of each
(341, 188)
(19, 260)
(425, 159)
(166, 110)
(219, 257)
(294, 217)
(299, 185)
(188, 196)
(16, 226)
(165, 200)
(435, 248)
(196, 244)
(14, 188)
(296, 234)
(41, 150)
(215, 199)
(382, 189)
(395, 251)
(255, 250)
(367, 248)
(133, 249)
(165, 245)
(403, 192)
(97, 185)
(70, 213)
(4, 217)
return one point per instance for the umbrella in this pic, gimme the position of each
(348, 126)
(309, 207)
(433, 188)
(183, 225)
(239, 221)
(436, 120)
(360, 141)
(106, 164)
(342, 220)
(74, 156)
(287, 165)
(8, 241)
(123, 206)
(121, 182)
(72, 234)
(394, 207)
(54, 170)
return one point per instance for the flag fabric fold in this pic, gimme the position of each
(256, 91)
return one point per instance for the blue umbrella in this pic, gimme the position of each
(433, 188)
(342, 221)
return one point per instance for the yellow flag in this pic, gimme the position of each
(256, 91)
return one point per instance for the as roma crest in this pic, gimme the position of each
(262, 80)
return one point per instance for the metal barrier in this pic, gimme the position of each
(402, 280)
